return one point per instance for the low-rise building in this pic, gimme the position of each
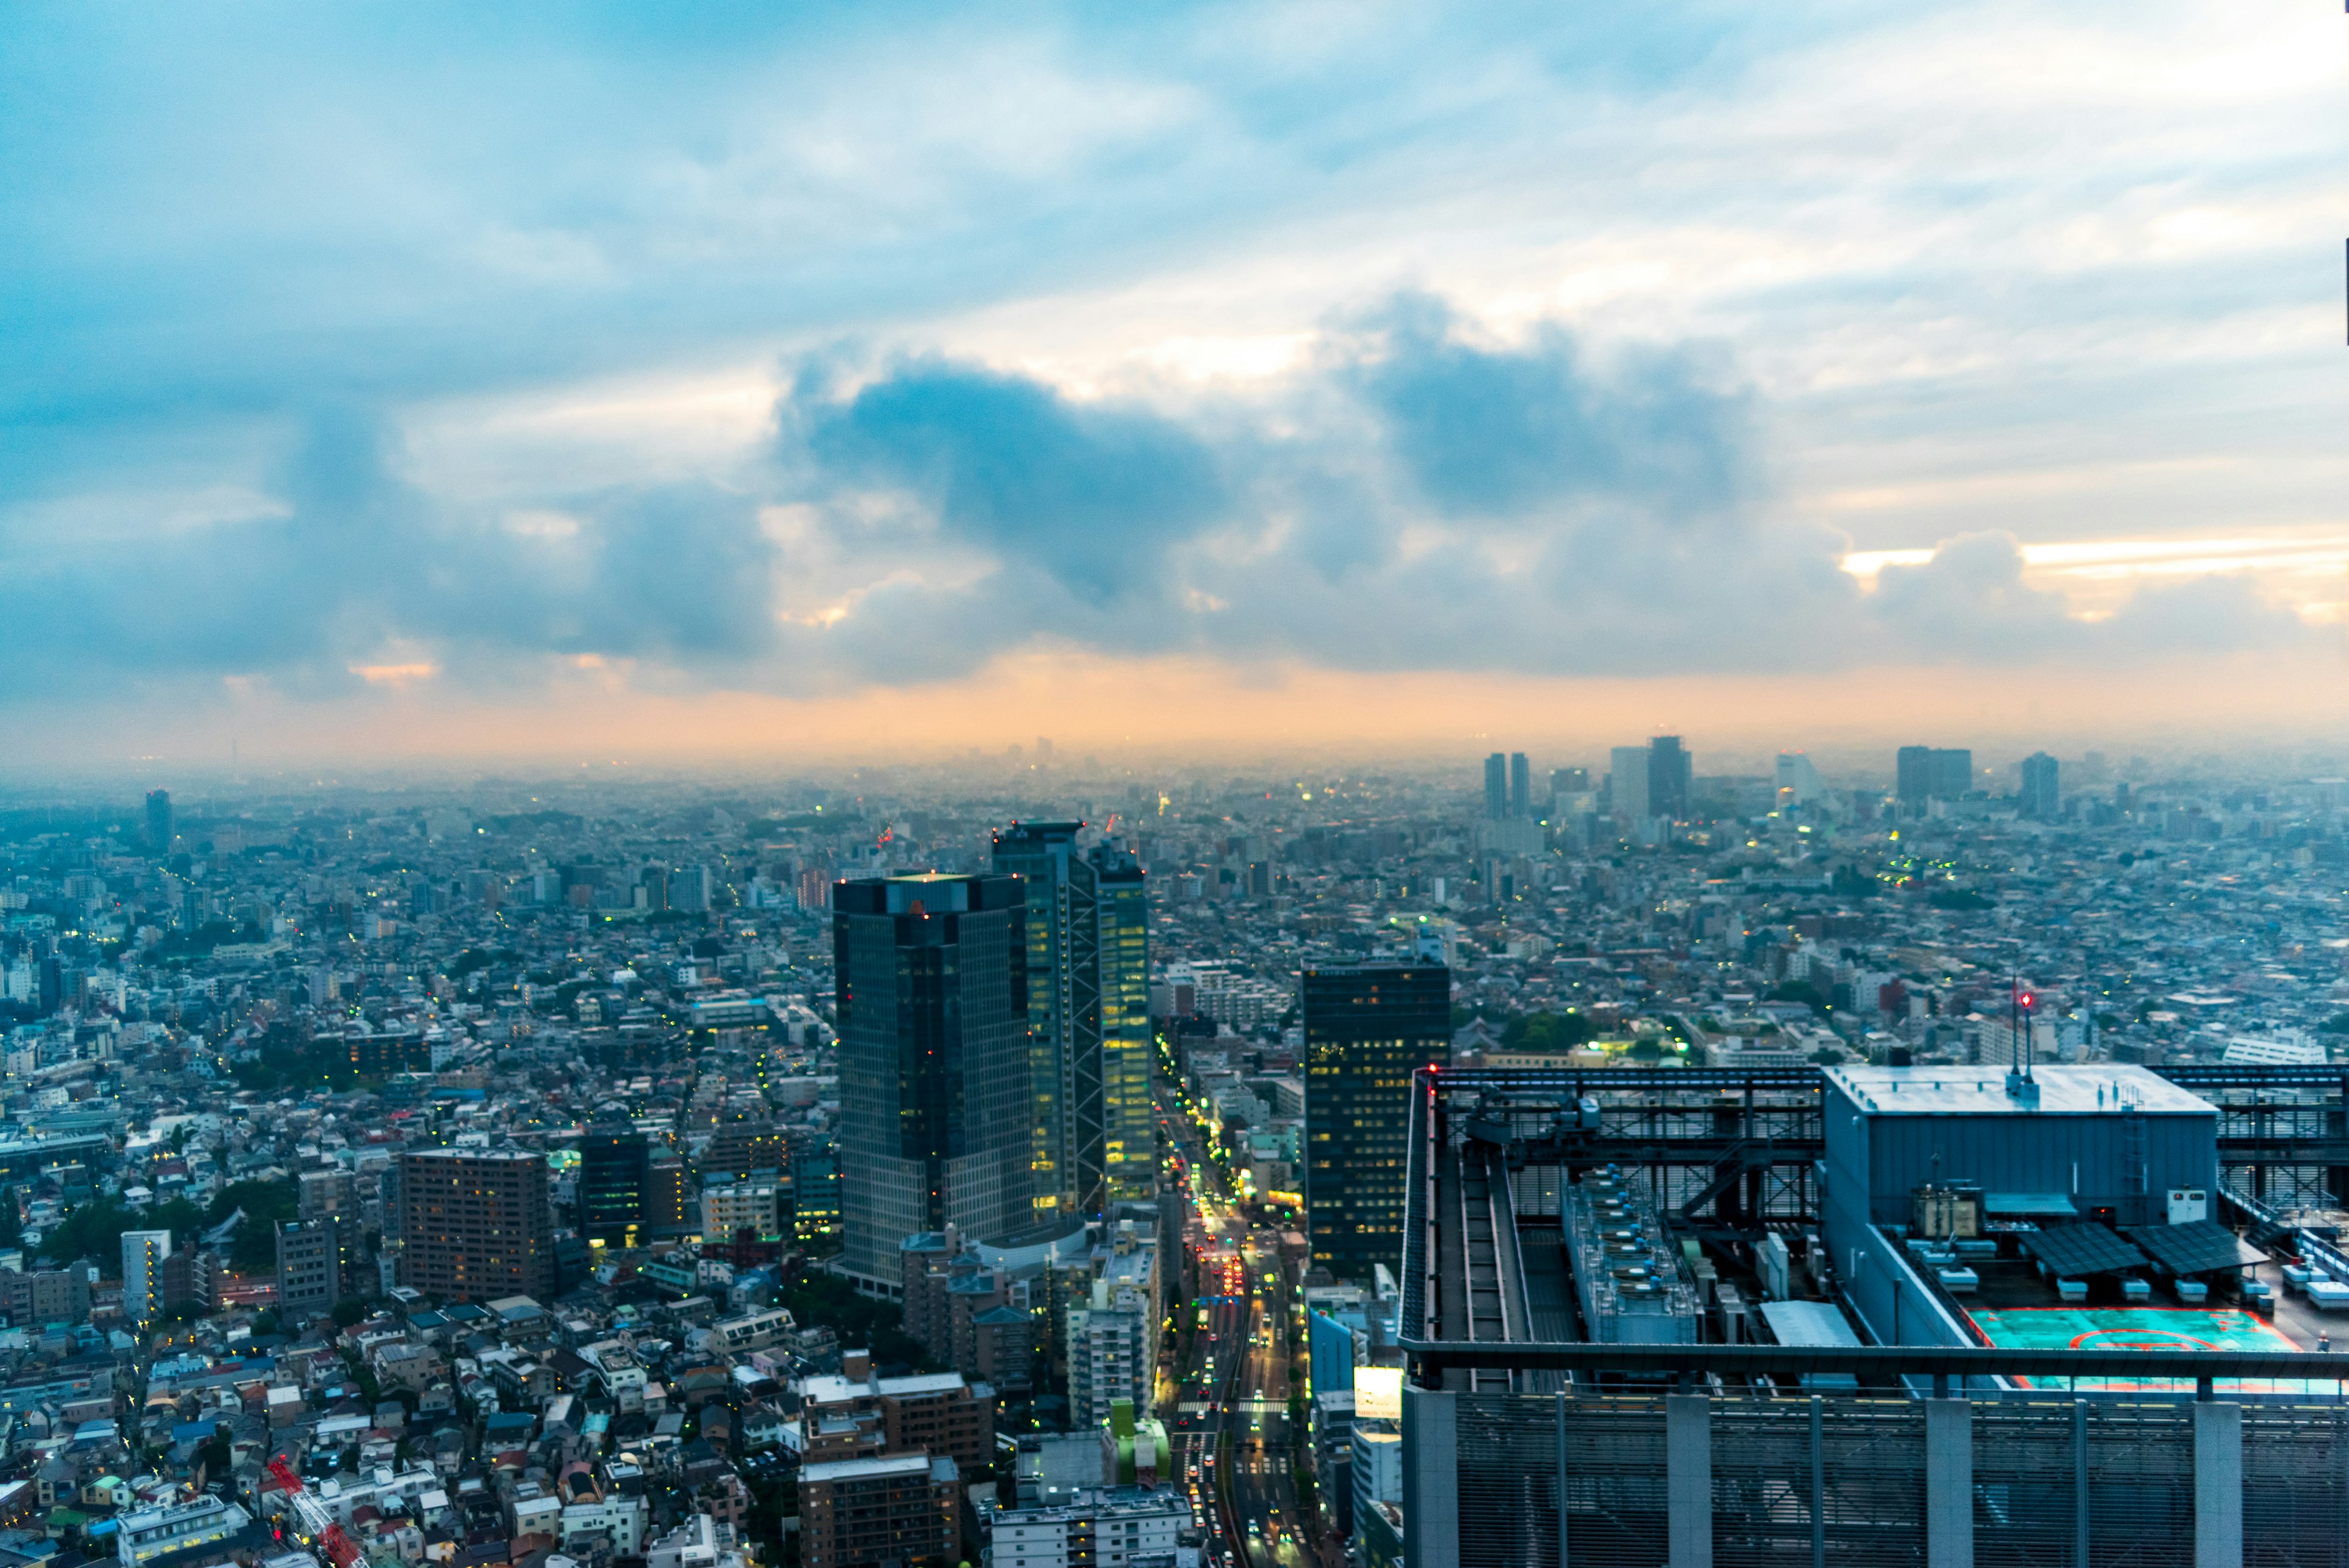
(901, 1508)
(1109, 1527)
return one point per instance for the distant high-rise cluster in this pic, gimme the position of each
(2041, 799)
(1922, 774)
(1508, 786)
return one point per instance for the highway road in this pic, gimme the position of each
(1229, 1422)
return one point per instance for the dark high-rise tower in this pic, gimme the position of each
(2041, 800)
(1114, 1140)
(474, 1224)
(1368, 1028)
(614, 1176)
(159, 821)
(1496, 786)
(1039, 854)
(1953, 772)
(1912, 777)
(931, 994)
(1087, 1017)
(1521, 786)
(1668, 768)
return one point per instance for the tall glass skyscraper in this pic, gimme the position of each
(615, 1172)
(1367, 1027)
(1114, 1140)
(1088, 1017)
(930, 976)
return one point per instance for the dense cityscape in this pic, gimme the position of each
(1006, 1161)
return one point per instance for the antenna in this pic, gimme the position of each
(2021, 1085)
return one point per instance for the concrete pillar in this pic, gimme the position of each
(1431, 1475)
(2218, 1485)
(2080, 1511)
(1563, 1559)
(1948, 1483)
(1688, 1479)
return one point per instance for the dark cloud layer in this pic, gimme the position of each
(1093, 497)
(1502, 432)
(362, 568)
(1426, 504)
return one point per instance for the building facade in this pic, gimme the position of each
(1368, 1028)
(615, 1180)
(2042, 801)
(1088, 1017)
(309, 1267)
(755, 1205)
(898, 1508)
(475, 1224)
(143, 1294)
(931, 997)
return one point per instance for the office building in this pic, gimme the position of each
(1125, 1527)
(160, 830)
(45, 1296)
(1368, 1028)
(670, 1212)
(1627, 782)
(1087, 1022)
(901, 1508)
(169, 1528)
(327, 1192)
(1565, 781)
(752, 1205)
(1953, 772)
(1798, 781)
(143, 1292)
(739, 1149)
(1922, 774)
(1039, 854)
(1521, 786)
(1109, 1335)
(931, 998)
(309, 1268)
(614, 1179)
(475, 1224)
(2042, 801)
(1496, 786)
(1669, 768)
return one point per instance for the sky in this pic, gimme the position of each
(692, 383)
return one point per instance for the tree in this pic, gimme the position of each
(827, 1301)
(266, 1205)
(1547, 1032)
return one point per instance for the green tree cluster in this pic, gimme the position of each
(827, 1301)
(1547, 1032)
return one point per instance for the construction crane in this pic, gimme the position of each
(319, 1528)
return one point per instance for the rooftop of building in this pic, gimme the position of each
(2100, 1089)
(894, 1465)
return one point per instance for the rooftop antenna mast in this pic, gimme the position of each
(2021, 1085)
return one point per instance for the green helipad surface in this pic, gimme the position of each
(2136, 1328)
(2129, 1328)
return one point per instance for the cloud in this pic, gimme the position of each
(1500, 432)
(1596, 308)
(1093, 497)
(359, 564)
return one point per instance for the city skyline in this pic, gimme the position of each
(830, 384)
